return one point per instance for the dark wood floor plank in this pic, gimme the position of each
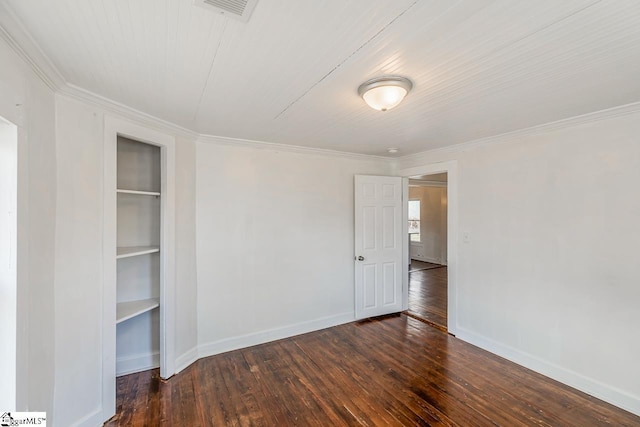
(470, 389)
(293, 394)
(328, 359)
(431, 385)
(398, 400)
(393, 370)
(257, 361)
(320, 384)
(228, 392)
(457, 366)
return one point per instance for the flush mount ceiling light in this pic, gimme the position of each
(384, 93)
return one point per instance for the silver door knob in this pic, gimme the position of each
(360, 258)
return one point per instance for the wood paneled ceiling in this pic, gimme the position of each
(290, 74)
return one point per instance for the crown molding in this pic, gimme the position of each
(74, 92)
(274, 146)
(13, 32)
(20, 41)
(77, 93)
(513, 136)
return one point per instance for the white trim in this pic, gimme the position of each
(244, 341)
(137, 363)
(114, 127)
(168, 258)
(14, 33)
(419, 183)
(8, 270)
(74, 92)
(21, 42)
(513, 136)
(109, 274)
(185, 360)
(239, 142)
(451, 168)
(406, 249)
(22, 267)
(92, 419)
(573, 379)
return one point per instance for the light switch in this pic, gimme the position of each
(466, 237)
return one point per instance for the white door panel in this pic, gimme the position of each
(378, 245)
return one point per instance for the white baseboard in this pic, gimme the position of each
(186, 359)
(428, 259)
(90, 420)
(585, 384)
(235, 343)
(137, 363)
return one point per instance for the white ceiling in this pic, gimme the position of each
(290, 74)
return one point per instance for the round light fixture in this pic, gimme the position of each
(392, 150)
(384, 93)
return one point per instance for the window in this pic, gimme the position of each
(414, 220)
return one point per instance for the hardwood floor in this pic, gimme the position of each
(428, 296)
(393, 370)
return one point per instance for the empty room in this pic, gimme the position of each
(341, 212)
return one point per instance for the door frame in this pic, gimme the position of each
(451, 168)
(14, 111)
(9, 223)
(114, 127)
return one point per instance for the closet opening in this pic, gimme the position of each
(139, 255)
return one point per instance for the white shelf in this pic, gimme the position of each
(129, 251)
(129, 309)
(141, 193)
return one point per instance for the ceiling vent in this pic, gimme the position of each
(236, 9)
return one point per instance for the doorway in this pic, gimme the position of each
(8, 271)
(427, 229)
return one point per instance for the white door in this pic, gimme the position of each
(378, 245)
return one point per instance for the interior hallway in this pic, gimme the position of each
(428, 293)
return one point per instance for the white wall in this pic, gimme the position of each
(185, 241)
(78, 370)
(78, 262)
(433, 224)
(274, 244)
(549, 277)
(26, 101)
